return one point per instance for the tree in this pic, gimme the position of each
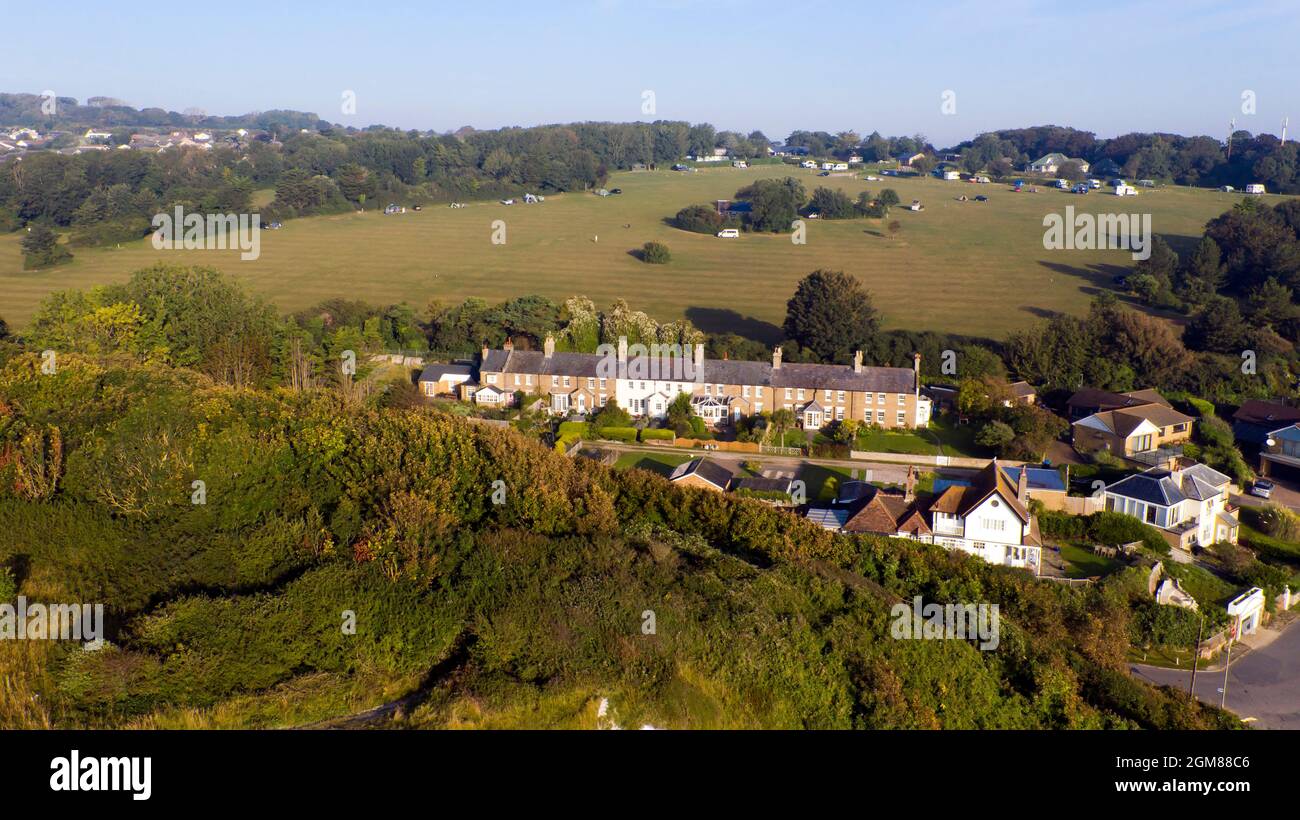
(894, 227)
(831, 314)
(680, 414)
(774, 203)
(1216, 327)
(888, 198)
(41, 248)
(611, 415)
(830, 203)
(655, 253)
(995, 435)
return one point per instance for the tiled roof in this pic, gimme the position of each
(1266, 413)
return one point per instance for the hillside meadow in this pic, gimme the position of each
(962, 267)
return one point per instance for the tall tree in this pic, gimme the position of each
(831, 314)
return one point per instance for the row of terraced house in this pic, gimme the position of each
(645, 381)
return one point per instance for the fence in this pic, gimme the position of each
(936, 461)
(729, 446)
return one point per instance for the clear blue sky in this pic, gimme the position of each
(1103, 65)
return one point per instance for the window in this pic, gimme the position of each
(826, 395)
(745, 391)
(993, 524)
(603, 399)
(880, 398)
(591, 384)
(902, 417)
(788, 393)
(902, 399)
(839, 414)
(528, 380)
(839, 396)
(602, 383)
(800, 396)
(566, 381)
(758, 407)
(492, 378)
(880, 416)
(516, 379)
(708, 390)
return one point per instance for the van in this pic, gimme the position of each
(729, 233)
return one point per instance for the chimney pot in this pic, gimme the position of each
(857, 361)
(548, 346)
(776, 358)
(509, 344)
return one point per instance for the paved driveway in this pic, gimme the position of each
(1263, 684)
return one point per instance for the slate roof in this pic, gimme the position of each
(1154, 487)
(436, 372)
(1037, 478)
(534, 361)
(760, 484)
(842, 377)
(710, 471)
(712, 371)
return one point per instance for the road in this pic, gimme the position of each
(1263, 684)
(883, 472)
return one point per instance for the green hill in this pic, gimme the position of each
(317, 513)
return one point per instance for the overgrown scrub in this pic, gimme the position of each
(339, 541)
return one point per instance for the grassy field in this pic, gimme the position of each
(963, 267)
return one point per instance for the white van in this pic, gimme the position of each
(729, 233)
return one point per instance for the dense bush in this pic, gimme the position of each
(655, 253)
(657, 434)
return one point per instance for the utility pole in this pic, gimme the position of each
(1227, 664)
(1196, 655)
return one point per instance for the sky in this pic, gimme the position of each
(1106, 66)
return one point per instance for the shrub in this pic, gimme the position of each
(1112, 529)
(657, 434)
(1213, 432)
(699, 219)
(655, 253)
(624, 434)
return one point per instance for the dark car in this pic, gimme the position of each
(981, 198)
(616, 190)
(824, 174)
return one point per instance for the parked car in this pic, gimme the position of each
(824, 174)
(729, 233)
(981, 198)
(1262, 488)
(616, 190)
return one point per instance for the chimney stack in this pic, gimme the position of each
(916, 373)
(909, 489)
(698, 350)
(857, 361)
(1022, 484)
(509, 345)
(776, 358)
(483, 353)
(548, 346)
(622, 350)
